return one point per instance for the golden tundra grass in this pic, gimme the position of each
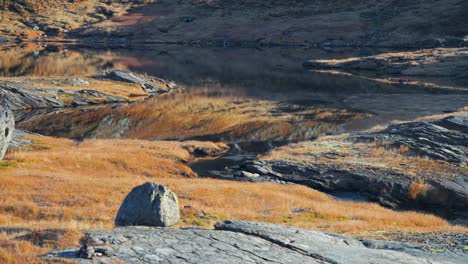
(175, 115)
(70, 186)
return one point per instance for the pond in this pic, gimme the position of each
(251, 99)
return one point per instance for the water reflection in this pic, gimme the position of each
(232, 95)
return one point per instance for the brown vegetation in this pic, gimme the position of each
(175, 116)
(19, 17)
(71, 186)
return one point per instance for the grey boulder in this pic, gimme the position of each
(149, 204)
(124, 76)
(147, 84)
(7, 126)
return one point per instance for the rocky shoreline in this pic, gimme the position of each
(426, 62)
(22, 95)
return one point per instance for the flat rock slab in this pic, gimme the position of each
(20, 97)
(149, 85)
(240, 242)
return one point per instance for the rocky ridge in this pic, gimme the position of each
(243, 242)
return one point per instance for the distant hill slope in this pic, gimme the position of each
(295, 22)
(386, 23)
(35, 19)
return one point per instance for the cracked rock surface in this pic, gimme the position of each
(20, 97)
(242, 242)
(7, 126)
(443, 140)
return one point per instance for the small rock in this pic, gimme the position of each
(78, 82)
(190, 211)
(149, 204)
(4, 39)
(86, 252)
(124, 76)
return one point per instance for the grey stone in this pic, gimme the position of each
(21, 97)
(147, 84)
(4, 39)
(78, 82)
(445, 139)
(124, 76)
(20, 140)
(7, 126)
(149, 204)
(245, 242)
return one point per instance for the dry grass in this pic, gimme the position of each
(174, 116)
(418, 189)
(67, 15)
(73, 186)
(362, 156)
(415, 58)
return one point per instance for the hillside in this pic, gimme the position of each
(385, 23)
(299, 22)
(23, 20)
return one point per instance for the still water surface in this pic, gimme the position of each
(246, 97)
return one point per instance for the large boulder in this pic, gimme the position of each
(7, 126)
(149, 204)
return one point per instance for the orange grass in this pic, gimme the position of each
(66, 185)
(175, 116)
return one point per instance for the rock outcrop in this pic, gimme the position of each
(444, 193)
(7, 126)
(243, 242)
(445, 139)
(149, 85)
(149, 204)
(19, 97)
(427, 62)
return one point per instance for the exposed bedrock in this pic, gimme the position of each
(7, 126)
(244, 242)
(443, 142)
